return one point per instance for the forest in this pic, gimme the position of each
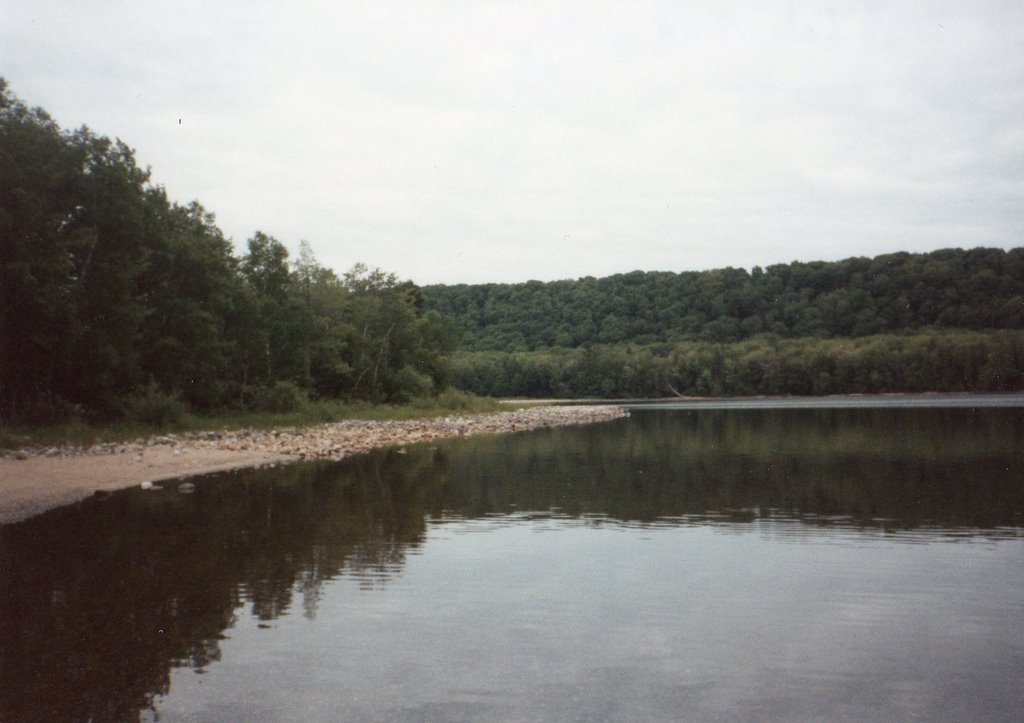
(117, 302)
(934, 361)
(950, 320)
(974, 289)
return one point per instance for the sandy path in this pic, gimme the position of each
(47, 479)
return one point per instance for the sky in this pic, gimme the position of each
(476, 141)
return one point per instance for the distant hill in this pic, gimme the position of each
(975, 289)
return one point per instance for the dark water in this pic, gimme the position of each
(852, 564)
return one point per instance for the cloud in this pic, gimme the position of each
(506, 141)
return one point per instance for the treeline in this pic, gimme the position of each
(949, 289)
(113, 298)
(116, 301)
(948, 361)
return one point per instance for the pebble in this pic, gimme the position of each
(342, 439)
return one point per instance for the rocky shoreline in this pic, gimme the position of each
(36, 479)
(336, 440)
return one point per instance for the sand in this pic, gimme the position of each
(35, 480)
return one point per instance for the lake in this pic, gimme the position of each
(682, 564)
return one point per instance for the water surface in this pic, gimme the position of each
(858, 564)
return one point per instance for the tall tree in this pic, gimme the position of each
(38, 311)
(73, 236)
(192, 290)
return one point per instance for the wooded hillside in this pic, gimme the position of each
(949, 289)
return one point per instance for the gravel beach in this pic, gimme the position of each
(38, 479)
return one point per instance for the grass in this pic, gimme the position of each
(78, 433)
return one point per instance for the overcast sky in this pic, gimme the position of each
(506, 141)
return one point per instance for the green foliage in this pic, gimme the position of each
(409, 383)
(193, 291)
(73, 237)
(394, 351)
(106, 285)
(948, 289)
(949, 361)
(53, 410)
(283, 396)
(800, 328)
(155, 408)
(456, 400)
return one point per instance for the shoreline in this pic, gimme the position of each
(34, 481)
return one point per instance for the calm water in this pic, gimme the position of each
(859, 564)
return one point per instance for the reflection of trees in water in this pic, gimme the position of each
(898, 468)
(99, 601)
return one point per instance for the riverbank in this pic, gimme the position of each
(35, 480)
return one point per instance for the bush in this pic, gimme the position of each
(282, 397)
(456, 399)
(409, 383)
(156, 407)
(43, 410)
(453, 400)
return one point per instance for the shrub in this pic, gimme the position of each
(155, 407)
(281, 397)
(55, 410)
(456, 399)
(409, 383)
